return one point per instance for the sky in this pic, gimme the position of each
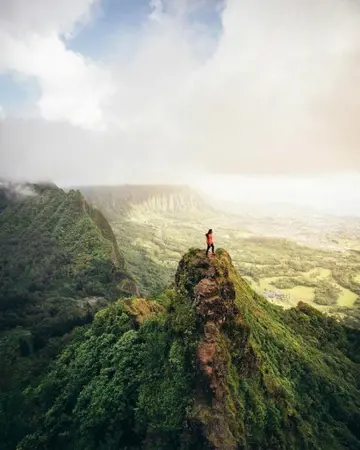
(226, 94)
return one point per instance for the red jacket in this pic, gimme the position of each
(209, 238)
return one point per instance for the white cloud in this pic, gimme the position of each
(21, 17)
(269, 98)
(157, 9)
(279, 93)
(72, 88)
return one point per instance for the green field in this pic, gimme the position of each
(301, 293)
(346, 297)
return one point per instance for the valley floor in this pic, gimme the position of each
(283, 270)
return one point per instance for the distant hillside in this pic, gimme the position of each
(124, 199)
(59, 263)
(210, 365)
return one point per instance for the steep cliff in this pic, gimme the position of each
(127, 200)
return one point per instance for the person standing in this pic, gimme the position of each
(210, 242)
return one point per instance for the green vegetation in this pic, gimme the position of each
(210, 364)
(326, 293)
(123, 383)
(207, 363)
(151, 276)
(59, 264)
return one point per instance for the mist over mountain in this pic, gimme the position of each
(117, 200)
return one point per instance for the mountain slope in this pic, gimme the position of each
(143, 218)
(209, 365)
(59, 261)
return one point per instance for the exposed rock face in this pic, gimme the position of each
(206, 282)
(206, 354)
(215, 301)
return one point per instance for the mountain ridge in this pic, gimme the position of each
(144, 198)
(209, 365)
(59, 263)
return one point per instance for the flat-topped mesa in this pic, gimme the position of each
(206, 282)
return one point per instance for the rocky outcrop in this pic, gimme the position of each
(207, 283)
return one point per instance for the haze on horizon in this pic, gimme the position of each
(252, 101)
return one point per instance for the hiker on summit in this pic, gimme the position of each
(210, 242)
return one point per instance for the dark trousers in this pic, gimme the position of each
(208, 248)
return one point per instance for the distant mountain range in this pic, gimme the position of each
(177, 198)
(146, 198)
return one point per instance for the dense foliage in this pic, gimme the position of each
(134, 379)
(59, 263)
(119, 384)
